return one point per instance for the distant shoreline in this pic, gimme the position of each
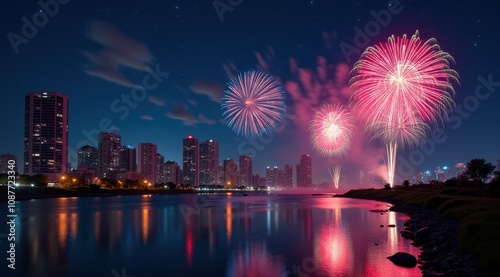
(28, 193)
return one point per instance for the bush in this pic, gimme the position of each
(387, 186)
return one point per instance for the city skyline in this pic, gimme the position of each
(200, 159)
(162, 47)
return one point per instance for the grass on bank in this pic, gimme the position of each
(477, 211)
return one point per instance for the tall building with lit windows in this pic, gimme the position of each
(109, 154)
(245, 176)
(209, 162)
(128, 157)
(190, 161)
(147, 161)
(287, 176)
(5, 166)
(304, 171)
(46, 134)
(230, 173)
(88, 156)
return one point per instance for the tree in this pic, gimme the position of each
(23, 179)
(406, 183)
(171, 185)
(478, 171)
(39, 180)
(108, 183)
(387, 186)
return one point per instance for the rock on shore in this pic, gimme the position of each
(437, 239)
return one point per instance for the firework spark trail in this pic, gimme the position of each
(399, 87)
(335, 174)
(253, 104)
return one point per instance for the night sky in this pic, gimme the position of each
(99, 52)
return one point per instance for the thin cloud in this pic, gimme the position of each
(120, 51)
(157, 101)
(210, 88)
(182, 113)
(147, 117)
(205, 119)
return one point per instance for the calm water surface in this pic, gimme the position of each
(221, 235)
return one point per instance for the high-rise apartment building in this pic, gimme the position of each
(190, 161)
(128, 158)
(88, 156)
(147, 160)
(209, 162)
(460, 169)
(109, 154)
(46, 134)
(230, 169)
(287, 176)
(172, 172)
(304, 171)
(160, 160)
(4, 163)
(245, 176)
(273, 175)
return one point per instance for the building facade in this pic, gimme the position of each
(190, 161)
(4, 163)
(109, 154)
(304, 171)
(147, 161)
(245, 176)
(46, 134)
(88, 156)
(230, 169)
(172, 172)
(128, 158)
(287, 178)
(209, 163)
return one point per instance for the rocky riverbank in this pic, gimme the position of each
(437, 238)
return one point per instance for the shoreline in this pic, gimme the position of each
(29, 193)
(435, 236)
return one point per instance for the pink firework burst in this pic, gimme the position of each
(399, 87)
(404, 76)
(253, 104)
(331, 130)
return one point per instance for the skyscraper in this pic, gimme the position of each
(245, 177)
(287, 176)
(460, 169)
(160, 160)
(147, 161)
(273, 176)
(4, 162)
(304, 171)
(190, 161)
(128, 157)
(230, 169)
(88, 156)
(172, 172)
(209, 162)
(46, 134)
(109, 154)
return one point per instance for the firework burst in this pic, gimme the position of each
(253, 104)
(399, 87)
(331, 130)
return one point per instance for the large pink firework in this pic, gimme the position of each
(404, 76)
(399, 87)
(253, 104)
(331, 130)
